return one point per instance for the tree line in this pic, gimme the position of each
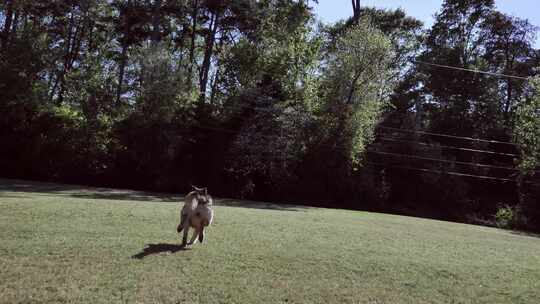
(260, 100)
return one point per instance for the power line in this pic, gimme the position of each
(459, 174)
(445, 172)
(387, 153)
(258, 109)
(447, 147)
(470, 70)
(483, 177)
(448, 136)
(212, 129)
(241, 107)
(417, 131)
(380, 152)
(443, 160)
(402, 155)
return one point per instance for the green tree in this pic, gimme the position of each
(353, 90)
(268, 88)
(508, 43)
(354, 86)
(527, 136)
(527, 128)
(454, 40)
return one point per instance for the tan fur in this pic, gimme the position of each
(190, 203)
(201, 218)
(196, 213)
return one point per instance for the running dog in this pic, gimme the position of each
(197, 213)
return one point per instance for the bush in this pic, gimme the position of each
(509, 217)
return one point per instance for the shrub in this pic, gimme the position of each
(509, 217)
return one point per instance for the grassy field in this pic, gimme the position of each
(68, 244)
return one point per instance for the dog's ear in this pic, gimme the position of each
(201, 191)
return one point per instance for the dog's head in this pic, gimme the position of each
(202, 195)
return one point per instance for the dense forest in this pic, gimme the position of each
(260, 100)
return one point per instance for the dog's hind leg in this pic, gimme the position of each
(201, 235)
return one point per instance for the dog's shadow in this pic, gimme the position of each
(151, 249)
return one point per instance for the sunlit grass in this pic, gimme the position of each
(63, 244)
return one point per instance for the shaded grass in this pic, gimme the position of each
(64, 244)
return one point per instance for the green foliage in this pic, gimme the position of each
(527, 137)
(527, 129)
(270, 144)
(405, 33)
(509, 217)
(163, 90)
(355, 85)
(271, 70)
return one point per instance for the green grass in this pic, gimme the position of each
(67, 244)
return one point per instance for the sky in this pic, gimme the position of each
(333, 10)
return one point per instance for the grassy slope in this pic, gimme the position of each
(70, 244)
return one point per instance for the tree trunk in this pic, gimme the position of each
(509, 64)
(356, 10)
(121, 69)
(15, 23)
(72, 49)
(155, 23)
(219, 47)
(353, 88)
(509, 91)
(214, 87)
(205, 69)
(123, 55)
(194, 14)
(7, 24)
(61, 74)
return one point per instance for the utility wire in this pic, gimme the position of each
(213, 129)
(470, 70)
(402, 155)
(444, 172)
(482, 177)
(258, 109)
(385, 153)
(443, 160)
(446, 147)
(449, 136)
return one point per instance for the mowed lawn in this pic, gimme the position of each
(69, 244)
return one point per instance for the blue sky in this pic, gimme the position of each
(333, 10)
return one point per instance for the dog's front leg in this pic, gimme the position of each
(185, 236)
(194, 236)
(183, 217)
(179, 228)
